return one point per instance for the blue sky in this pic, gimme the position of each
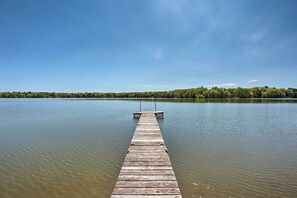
(133, 45)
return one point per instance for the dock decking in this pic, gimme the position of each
(147, 171)
(158, 114)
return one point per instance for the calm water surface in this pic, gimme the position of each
(74, 148)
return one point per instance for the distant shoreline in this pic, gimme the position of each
(192, 93)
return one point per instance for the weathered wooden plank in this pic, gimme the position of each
(157, 151)
(145, 149)
(156, 132)
(146, 184)
(147, 155)
(146, 191)
(148, 126)
(146, 196)
(159, 140)
(152, 136)
(147, 164)
(146, 178)
(146, 167)
(140, 134)
(148, 123)
(147, 152)
(146, 160)
(148, 138)
(146, 172)
(146, 133)
(143, 129)
(137, 147)
(147, 143)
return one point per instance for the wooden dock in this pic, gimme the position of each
(158, 114)
(147, 171)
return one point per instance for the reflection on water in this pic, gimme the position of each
(204, 100)
(74, 148)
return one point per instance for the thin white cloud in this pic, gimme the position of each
(223, 85)
(253, 81)
(158, 54)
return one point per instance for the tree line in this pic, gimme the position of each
(199, 92)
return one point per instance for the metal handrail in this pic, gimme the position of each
(141, 108)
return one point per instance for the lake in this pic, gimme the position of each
(218, 148)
